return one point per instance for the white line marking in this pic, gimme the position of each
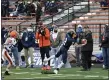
(41, 77)
(105, 77)
(24, 78)
(36, 74)
(87, 76)
(22, 73)
(64, 75)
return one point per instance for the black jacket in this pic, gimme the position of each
(20, 46)
(30, 8)
(105, 40)
(89, 45)
(21, 8)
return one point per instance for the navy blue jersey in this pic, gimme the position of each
(68, 41)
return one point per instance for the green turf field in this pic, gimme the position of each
(72, 73)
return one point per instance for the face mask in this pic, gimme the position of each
(30, 30)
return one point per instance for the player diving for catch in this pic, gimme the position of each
(69, 39)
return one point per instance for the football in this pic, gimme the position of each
(84, 41)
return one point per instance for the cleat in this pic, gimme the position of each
(44, 68)
(26, 66)
(6, 73)
(32, 66)
(48, 68)
(55, 71)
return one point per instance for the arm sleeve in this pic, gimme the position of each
(105, 40)
(47, 34)
(89, 37)
(37, 35)
(69, 38)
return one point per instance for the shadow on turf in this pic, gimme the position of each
(47, 72)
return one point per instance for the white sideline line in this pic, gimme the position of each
(64, 75)
(22, 73)
(91, 76)
(25, 78)
(36, 74)
(42, 77)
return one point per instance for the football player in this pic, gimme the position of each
(9, 43)
(69, 39)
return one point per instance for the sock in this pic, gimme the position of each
(7, 69)
(51, 57)
(55, 62)
(60, 65)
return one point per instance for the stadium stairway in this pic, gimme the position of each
(65, 13)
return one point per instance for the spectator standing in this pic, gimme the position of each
(43, 35)
(28, 41)
(4, 8)
(20, 7)
(38, 11)
(52, 28)
(53, 8)
(78, 47)
(86, 49)
(29, 8)
(103, 3)
(105, 46)
(56, 40)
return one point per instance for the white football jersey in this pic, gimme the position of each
(9, 43)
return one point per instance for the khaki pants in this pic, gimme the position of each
(28, 53)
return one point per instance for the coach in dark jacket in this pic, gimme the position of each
(105, 46)
(87, 49)
(28, 41)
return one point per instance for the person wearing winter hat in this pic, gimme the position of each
(79, 32)
(105, 46)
